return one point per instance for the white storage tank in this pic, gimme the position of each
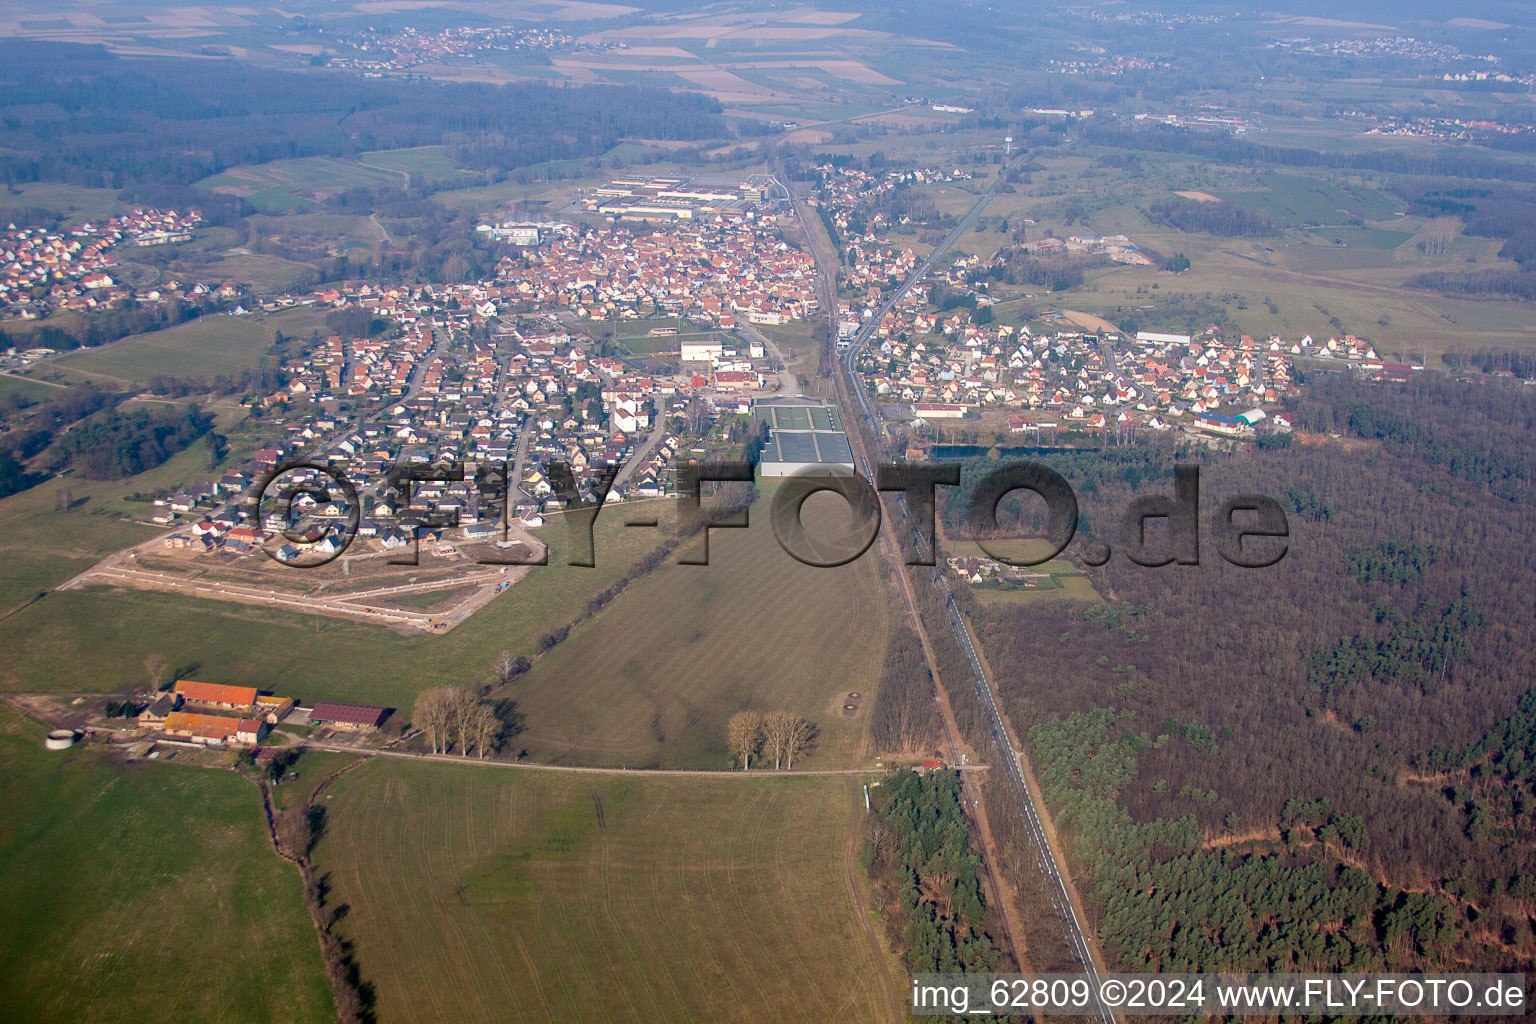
(60, 739)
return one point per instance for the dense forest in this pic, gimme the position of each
(98, 120)
(926, 877)
(1324, 763)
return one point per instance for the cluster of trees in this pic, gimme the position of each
(1211, 218)
(449, 715)
(1391, 561)
(1169, 904)
(1419, 651)
(118, 444)
(926, 877)
(1506, 284)
(1493, 784)
(1521, 364)
(1057, 272)
(777, 736)
(1495, 211)
(903, 715)
(1477, 433)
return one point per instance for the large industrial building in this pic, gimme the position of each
(669, 198)
(804, 433)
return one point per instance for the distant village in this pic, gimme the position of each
(43, 271)
(525, 382)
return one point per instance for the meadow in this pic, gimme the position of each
(493, 895)
(144, 892)
(293, 186)
(205, 347)
(430, 164)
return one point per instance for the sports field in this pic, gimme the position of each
(493, 895)
(147, 892)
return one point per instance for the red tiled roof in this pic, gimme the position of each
(216, 693)
(352, 714)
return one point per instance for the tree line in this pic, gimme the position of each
(1221, 218)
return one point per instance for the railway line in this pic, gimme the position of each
(858, 409)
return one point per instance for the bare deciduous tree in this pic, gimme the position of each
(432, 716)
(508, 666)
(461, 709)
(484, 725)
(778, 726)
(800, 738)
(745, 733)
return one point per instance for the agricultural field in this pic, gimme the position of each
(144, 892)
(1297, 200)
(312, 656)
(488, 894)
(1336, 266)
(652, 680)
(206, 347)
(430, 164)
(293, 186)
(28, 390)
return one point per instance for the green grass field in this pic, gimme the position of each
(290, 186)
(145, 892)
(205, 347)
(651, 680)
(76, 203)
(96, 639)
(30, 390)
(431, 164)
(491, 895)
(1297, 199)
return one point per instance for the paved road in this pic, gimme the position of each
(789, 381)
(638, 454)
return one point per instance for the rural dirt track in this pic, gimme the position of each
(676, 773)
(850, 875)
